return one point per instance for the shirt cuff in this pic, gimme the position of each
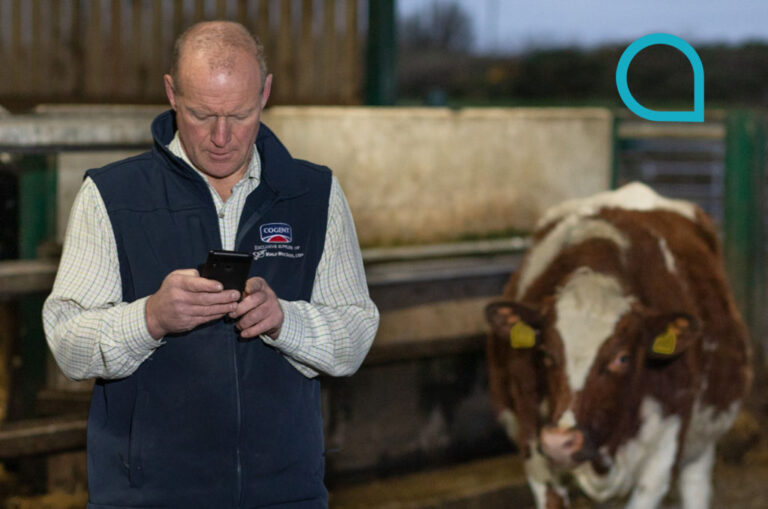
(133, 330)
(291, 332)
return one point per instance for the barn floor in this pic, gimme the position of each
(499, 482)
(743, 486)
(488, 484)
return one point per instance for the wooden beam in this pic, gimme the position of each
(42, 436)
(117, 54)
(94, 52)
(351, 79)
(26, 276)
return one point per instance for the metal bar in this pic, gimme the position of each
(37, 207)
(55, 45)
(285, 54)
(199, 10)
(380, 85)
(327, 69)
(94, 54)
(383, 266)
(306, 78)
(139, 71)
(37, 225)
(19, 277)
(117, 54)
(4, 53)
(77, 55)
(262, 26)
(743, 218)
(35, 77)
(16, 61)
(42, 436)
(178, 17)
(156, 65)
(710, 131)
(351, 78)
(423, 349)
(20, 132)
(615, 151)
(475, 248)
(242, 13)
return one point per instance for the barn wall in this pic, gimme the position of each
(417, 175)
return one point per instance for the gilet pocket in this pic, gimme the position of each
(135, 439)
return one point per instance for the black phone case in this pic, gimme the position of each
(230, 268)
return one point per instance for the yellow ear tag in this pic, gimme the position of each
(665, 343)
(522, 336)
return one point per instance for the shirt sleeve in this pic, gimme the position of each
(334, 331)
(89, 330)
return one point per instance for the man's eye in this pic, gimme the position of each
(199, 116)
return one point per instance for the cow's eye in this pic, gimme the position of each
(620, 363)
(547, 358)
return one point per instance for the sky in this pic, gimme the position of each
(517, 25)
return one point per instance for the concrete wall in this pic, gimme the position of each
(71, 167)
(418, 175)
(411, 175)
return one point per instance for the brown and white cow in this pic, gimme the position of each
(617, 356)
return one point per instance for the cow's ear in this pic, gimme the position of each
(515, 322)
(669, 335)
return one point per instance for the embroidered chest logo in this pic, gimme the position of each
(277, 241)
(276, 233)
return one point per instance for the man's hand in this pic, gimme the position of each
(259, 311)
(186, 300)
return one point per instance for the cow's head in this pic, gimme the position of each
(594, 343)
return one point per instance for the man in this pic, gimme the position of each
(204, 399)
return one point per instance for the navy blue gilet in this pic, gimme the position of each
(210, 419)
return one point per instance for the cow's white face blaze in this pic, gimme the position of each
(593, 345)
(588, 309)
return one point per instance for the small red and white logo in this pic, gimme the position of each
(276, 233)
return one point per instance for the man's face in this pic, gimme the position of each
(218, 111)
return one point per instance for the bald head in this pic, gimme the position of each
(221, 44)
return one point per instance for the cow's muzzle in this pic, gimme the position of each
(564, 447)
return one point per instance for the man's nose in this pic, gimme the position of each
(221, 132)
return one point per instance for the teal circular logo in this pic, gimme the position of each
(697, 115)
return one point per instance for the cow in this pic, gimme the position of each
(616, 355)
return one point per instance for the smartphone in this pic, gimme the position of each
(230, 268)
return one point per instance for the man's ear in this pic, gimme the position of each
(265, 91)
(514, 322)
(668, 335)
(170, 91)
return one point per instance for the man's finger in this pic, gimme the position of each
(262, 326)
(255, 284)
(252, 317)
(187, 272)
(201, 284)
(214, 298)
(212, 312)
(251, 301)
